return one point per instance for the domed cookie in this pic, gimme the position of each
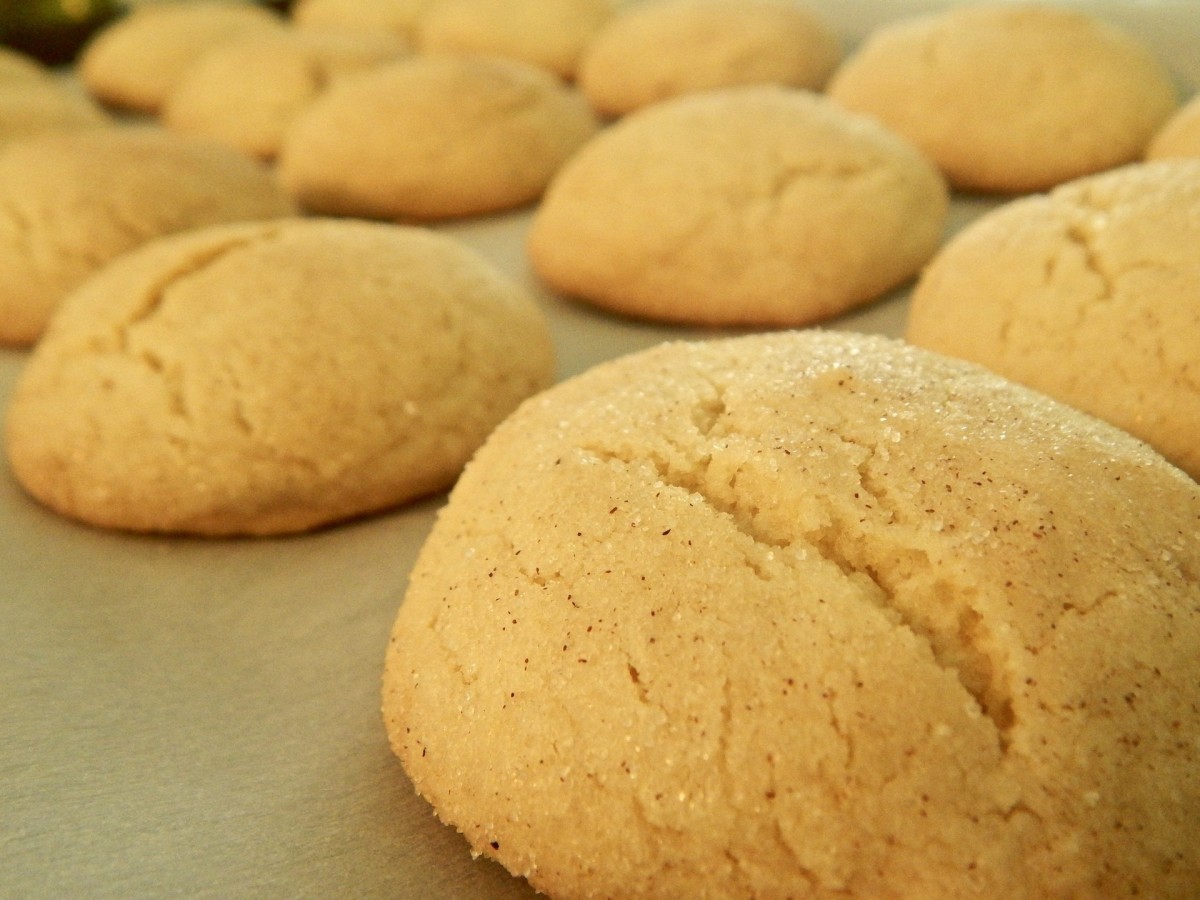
(135, 61)
(809, 614)
(17, 66)
(753, 205)
(397, 15)
(1010, 97)
(246, 92)
(71, 201)
(30, 106)
(1180, 135)
(657, 50)
(550, 34)
(1090, 293)
(433, 137)
(271, 377)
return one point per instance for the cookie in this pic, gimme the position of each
(134, 62)
(1012, 97)
(246, 92)
(397, 15)
(20, 67)
(1090, 293)
(662, 49)
(271, 377)
(550, 34)
(433, 137)
(809, 614)
(751, 205)
(29, 106)
(71, 201)
(1180, 134)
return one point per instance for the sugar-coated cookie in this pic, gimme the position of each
(1090, 293)
(270, 377)
(398, 15)
(32, 105)
(661, 49)
(246, 92)
(72, 200)
(433, 137)
(551, 34)
(1011, 97)
(759, 205)
(135, 61)
(1180, 134)
(809, 614)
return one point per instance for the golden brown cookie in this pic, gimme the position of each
(397, 15)
(20, 67)
(1090, 293)
(809, 614)
(271, 377)
(29, 106)
(433, 137)
(71, 201)
(550, 34)
(246, 92)
(752, 205)
(1011, 97)
(661, 49)
(1179, 135)
(135, 61)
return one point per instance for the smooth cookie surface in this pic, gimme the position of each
(271, 377)
(809, 615)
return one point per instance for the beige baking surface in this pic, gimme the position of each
(200, 718)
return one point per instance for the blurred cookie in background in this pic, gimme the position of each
(1180, 135)
(656, 50)
(247, 91)
(135, 62)
(1011, 98)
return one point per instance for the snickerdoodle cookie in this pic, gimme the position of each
(652, 51)
(246, 92)
(269, 377)
(550, 34)
(433, 137)
(134, 62)
(70, 201)
(1090, 293)
(751, 205)
(809, 614)
(1011, 97)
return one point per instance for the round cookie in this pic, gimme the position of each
(271, 377)
(658, 50)
(1180, 135)
(433, 137)
(1010, 97)
(32, 105)
(71, 201)
(550, 34)
(809, 614)
(397, 15)
(134, 62)
(16, 66)
(246, 92)
(1090, 293)
(751, 205)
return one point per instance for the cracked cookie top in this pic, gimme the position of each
(748, 205)
(271, 377)
(1090, 293)
(72, 201)
(809, 614)
(1011, 97)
